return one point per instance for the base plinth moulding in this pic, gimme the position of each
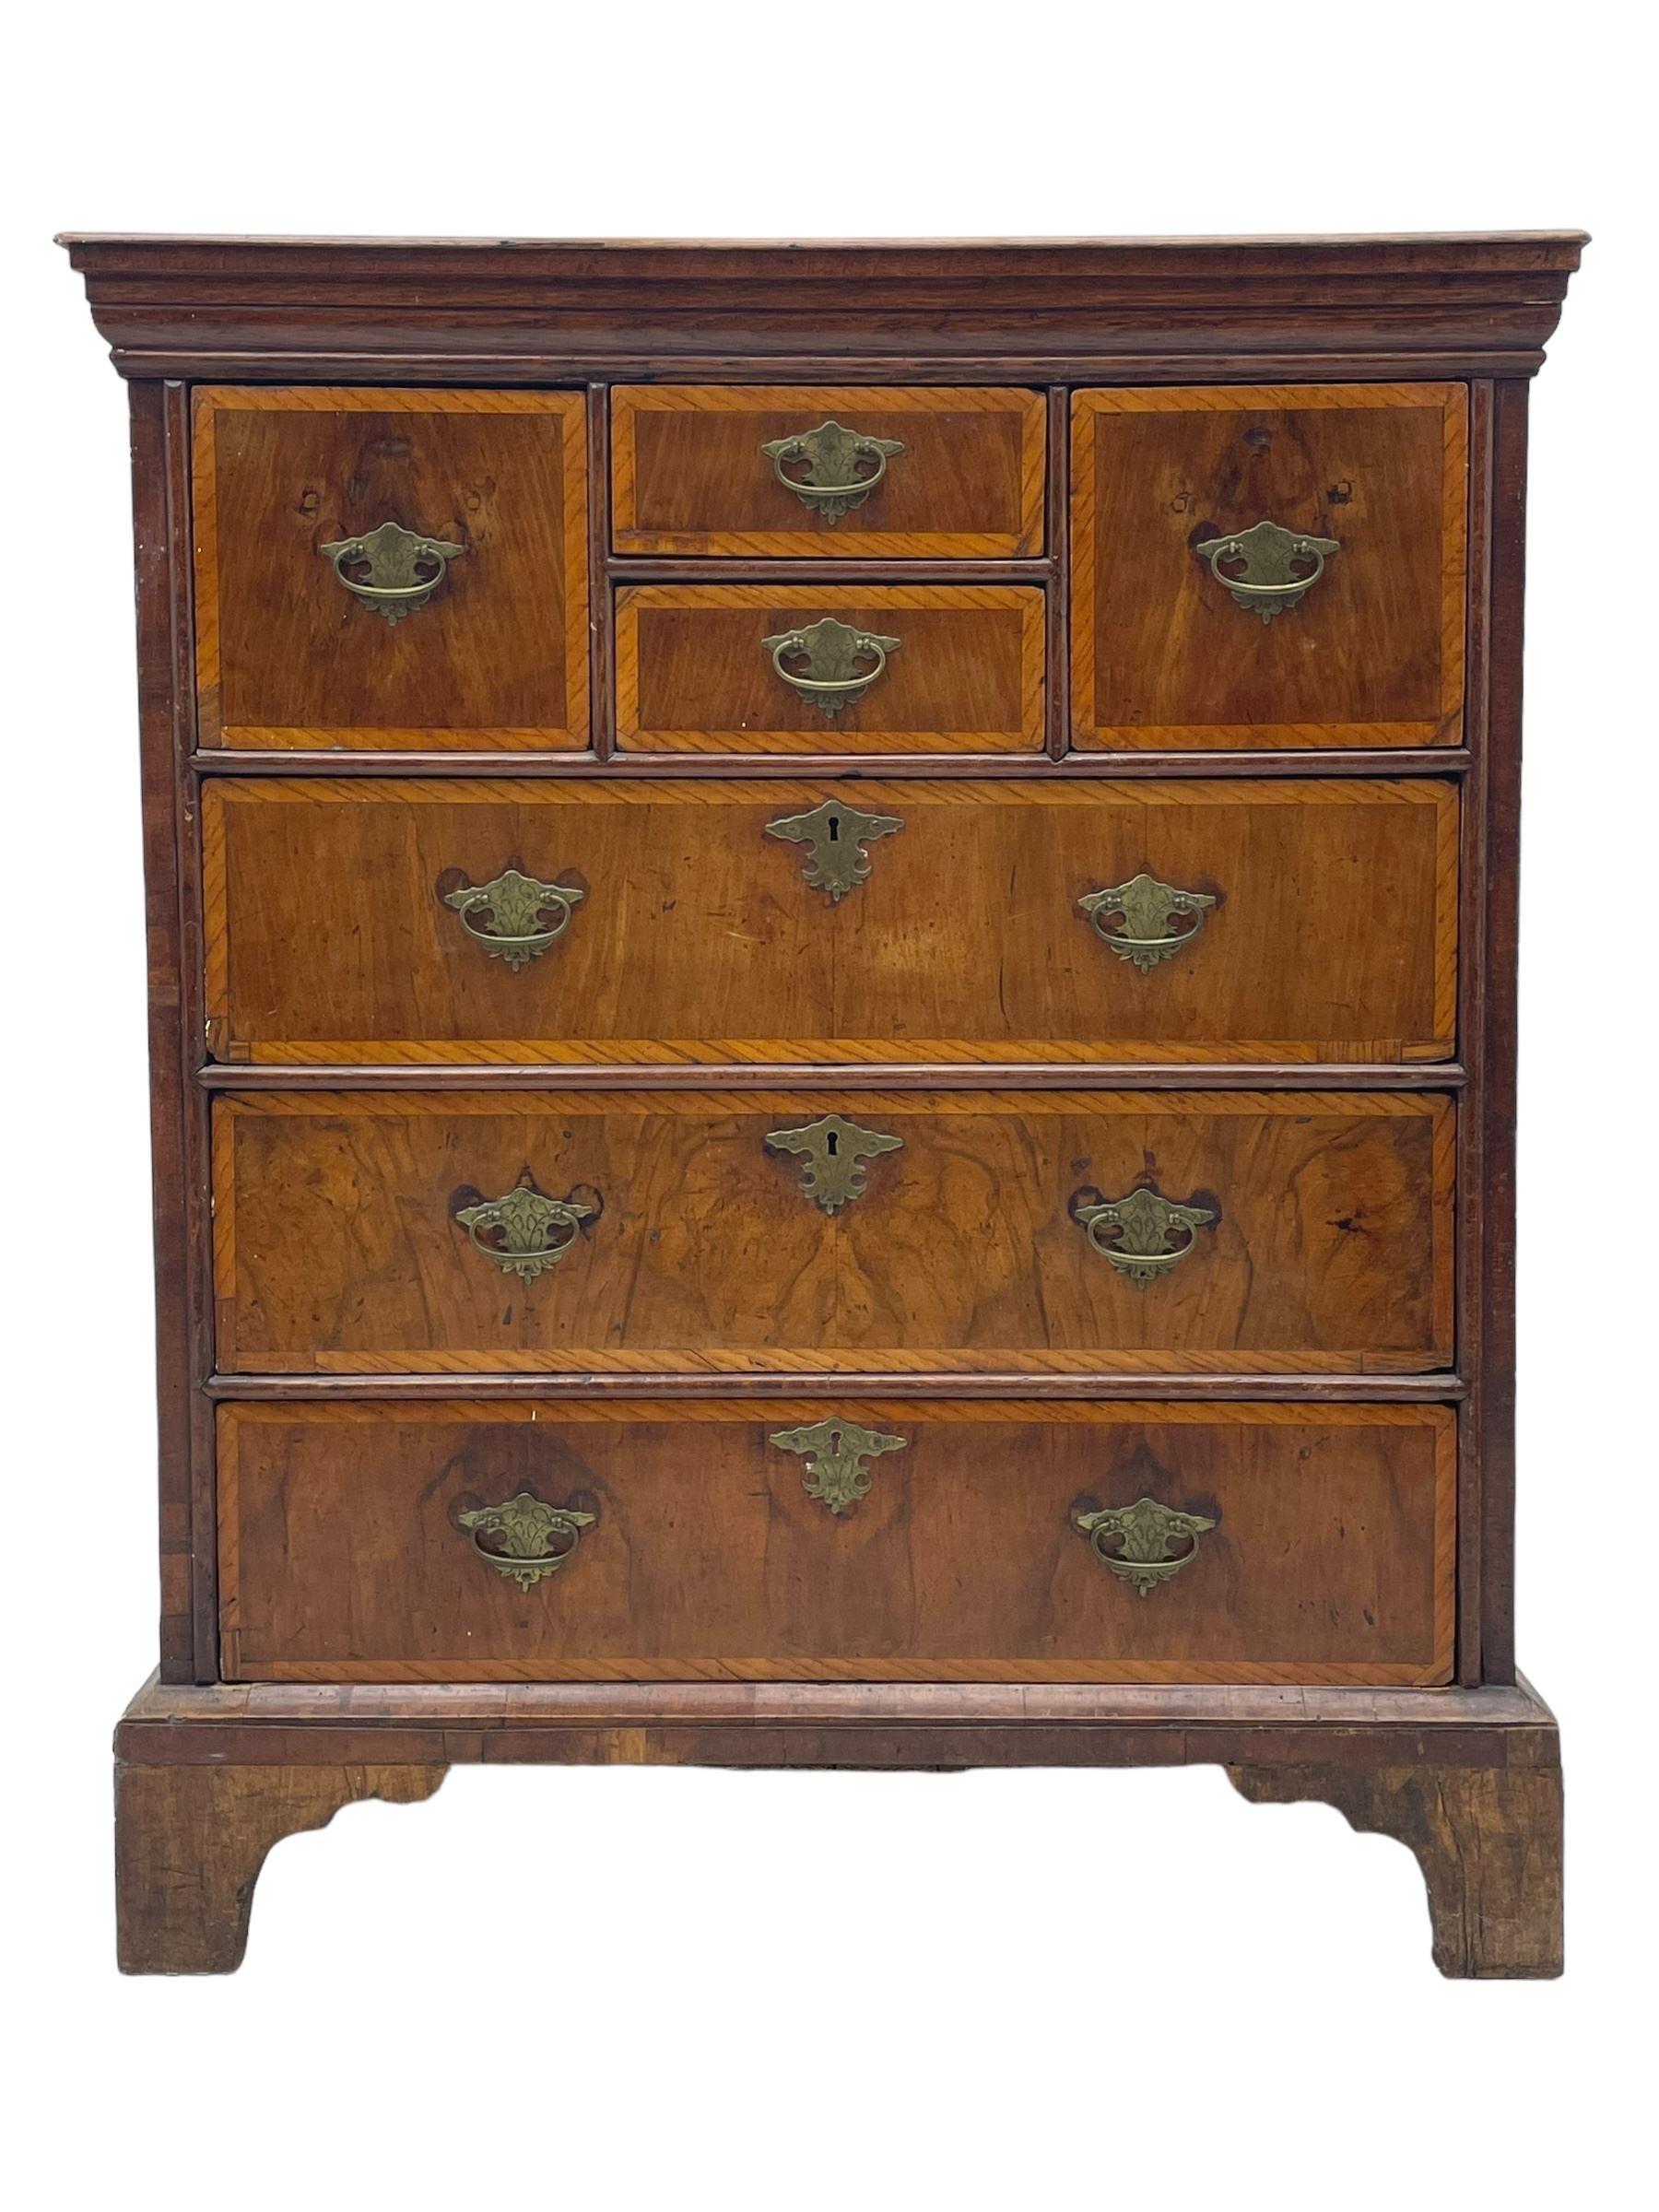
(208, 1779)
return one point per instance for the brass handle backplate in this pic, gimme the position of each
(832, 1153)
(1143, 1235)
(527, 1535)
(401, 569)
(835, 1450)
(1268, 581)
(837, 834)
(1148, 912)
(834, 676)
(535, 1232)
(1142, 1534)
(832, 485)
(525, 915)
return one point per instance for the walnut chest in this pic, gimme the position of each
(832, 942)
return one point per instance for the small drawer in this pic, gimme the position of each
(1274, 567)
(790, 919)
(741, 669)
(391, 571)
(835, 1539)
(829, 472)
(952, 1232)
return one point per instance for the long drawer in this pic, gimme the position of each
(1048, 1232)
(415, 921)
(836, 1540)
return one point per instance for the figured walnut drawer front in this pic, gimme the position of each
(835, 1539)
(826, 471)
(1268, 567)
(745, 669)
(378, 570)
(403, 920)
(1054, 1232)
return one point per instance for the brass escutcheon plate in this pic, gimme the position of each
(832, 1153)
(835, 1450)
(837, 835)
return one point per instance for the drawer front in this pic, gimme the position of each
(954, 1232)
(779, 921)
(744, 669)
(826, 472)
(1187, 635)
(378, 570)
(836, 1540)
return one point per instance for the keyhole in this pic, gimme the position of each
(832, 1142)
(835, 829)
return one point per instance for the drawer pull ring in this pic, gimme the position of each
(1143, 1532)
(525, 916)
(834, 1152)
(526, 1532)
(1268, 583)
(1138, 1234)
(535, 1232)
(832, 678)
(833, 485)
(404, 569)
(838, 834)
(835, 1450)
(1149, 911)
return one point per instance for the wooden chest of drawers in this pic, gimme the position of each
(832, 947)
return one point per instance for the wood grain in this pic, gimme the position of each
(302, 949)
(1123, 1723)
(190, 1841)
(160, 441)
(699, 941)
(1331, 1560)
(208, 1777)
(498, 658)
(1372, 656)
(1489, 1841)
(693, 673)
(978, 312)
(336, 1247)
(688, 476)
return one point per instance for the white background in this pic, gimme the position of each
(655, 1989)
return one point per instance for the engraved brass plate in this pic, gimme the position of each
(524, 916)
(837, 673)
(1149, 911)
(835, 1450)
(838, 834)
(526, 1533)
(1142, 1533)
(1143, 1235)
(534, 1232)
(1274, 569)
(834, 1152)
(401, 570)
(827, 462)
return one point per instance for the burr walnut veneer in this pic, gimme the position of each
(832, 953)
